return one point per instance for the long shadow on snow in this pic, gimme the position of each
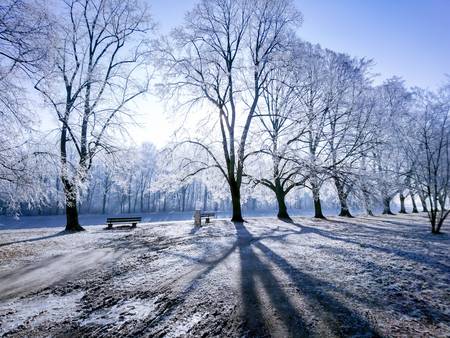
(417, 228)
(174, 300)
(61, 233)
(253, 269)
(313, 289)
(395, 297)
(377, 225)
(419, 258)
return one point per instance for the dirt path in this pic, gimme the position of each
(364, 277)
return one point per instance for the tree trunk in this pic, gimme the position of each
(387, 206)
(414, 210)
(423, 202)
(57, 195)
(318, 209)
(345, 211)
(70, 190)
(433, 217)
(72, 223)
(442, 204)
(205, 199)
(104, 203)
(236, 201)
(135, 201)
(282, 208)
(129, 199)
(90, 196)
(402, 204)
(317, 205)
(441, 222)
(367, 202)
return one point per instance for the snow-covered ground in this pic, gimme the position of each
(363, 277)
(58, 221)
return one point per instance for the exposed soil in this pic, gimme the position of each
(361, 277)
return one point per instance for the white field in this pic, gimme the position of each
(364, 277)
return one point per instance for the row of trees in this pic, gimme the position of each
(287, 114)
(127, 181)
(280, 113)
(138, 180)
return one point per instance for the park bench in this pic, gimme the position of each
(198, 215)
(123, 220)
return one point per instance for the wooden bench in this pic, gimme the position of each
(198, 215)
(123, 220)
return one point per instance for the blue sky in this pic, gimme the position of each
(407, 38)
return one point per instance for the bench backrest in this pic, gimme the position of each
(207, 214)
(123, 219)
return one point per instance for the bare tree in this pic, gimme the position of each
(24, 28)
(432, 153)
(224, 52)
(279, 129)
(310, 72)
(349, 115)
(98, 53)
(392, 167)
(24, 32)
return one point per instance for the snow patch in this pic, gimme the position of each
(134, 309)
(36, 311)
(185, 325)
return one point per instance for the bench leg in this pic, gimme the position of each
(109, 225)
(207, 220)
(133, 225)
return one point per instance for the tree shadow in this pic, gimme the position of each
(409, 255)
(358, 224)
(340, 318)
(265, 304)
(394, 297)
(174, 300)
(264, 299)
(61, 233)
(254, 270)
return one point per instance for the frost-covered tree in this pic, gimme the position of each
(348, 135)
(278, 130)
(311, 78)
(391, 165)
(221, 56)
(24, 31)
(430, 150)
(97, 69)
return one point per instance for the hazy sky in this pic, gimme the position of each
(407, 38)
